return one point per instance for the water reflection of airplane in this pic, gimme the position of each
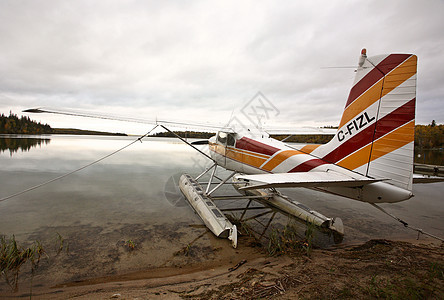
(369, 159)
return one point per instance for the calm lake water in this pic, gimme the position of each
(130, 196)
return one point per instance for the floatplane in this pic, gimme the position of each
(369, 158)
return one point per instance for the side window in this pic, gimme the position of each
(230, 139)
(222, 137)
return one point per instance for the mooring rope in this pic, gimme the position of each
(79, 169)
(406, 224)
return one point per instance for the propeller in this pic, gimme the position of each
(201, 142)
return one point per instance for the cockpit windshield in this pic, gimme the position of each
(222, 137)
(226, 138)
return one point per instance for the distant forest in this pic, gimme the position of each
(429, 136)
(23, 125)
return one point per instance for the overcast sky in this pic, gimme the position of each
(200, 60)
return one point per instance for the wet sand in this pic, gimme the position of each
(378, 268)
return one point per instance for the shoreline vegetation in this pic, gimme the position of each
(84, 132)
(375, 269)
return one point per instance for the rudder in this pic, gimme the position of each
(376, 133)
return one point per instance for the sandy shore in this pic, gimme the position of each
(378, 268)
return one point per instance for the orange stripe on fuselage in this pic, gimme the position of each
(394, 140)
(253, 161)
(359, 105)
(356, 159)
(309, 148)
(392, 80)
(248, 157)
(406, 70)
(247, 152)
(217, 148)
(386, 144)
(279, 158)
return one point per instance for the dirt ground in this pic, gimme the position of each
(375, 269)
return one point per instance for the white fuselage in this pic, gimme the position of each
(267, 155)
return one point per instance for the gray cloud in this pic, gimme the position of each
(202, 59)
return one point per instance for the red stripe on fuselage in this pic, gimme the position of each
(385, 66)
(358, 141)
(395, 119)
(255, 146)
(308, 165)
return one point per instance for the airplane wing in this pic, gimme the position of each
(213, 127)
(181, 124)
(304, 179)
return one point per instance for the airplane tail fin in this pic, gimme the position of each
(376, 133)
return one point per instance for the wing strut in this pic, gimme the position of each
(221, 183)
(206, 171)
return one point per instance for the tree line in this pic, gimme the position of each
(12, 124)
(429, 136)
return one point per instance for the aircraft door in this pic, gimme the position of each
(222, 147)
(230, 154)
(226, 142)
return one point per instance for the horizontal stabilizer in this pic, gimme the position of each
(304, 179)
